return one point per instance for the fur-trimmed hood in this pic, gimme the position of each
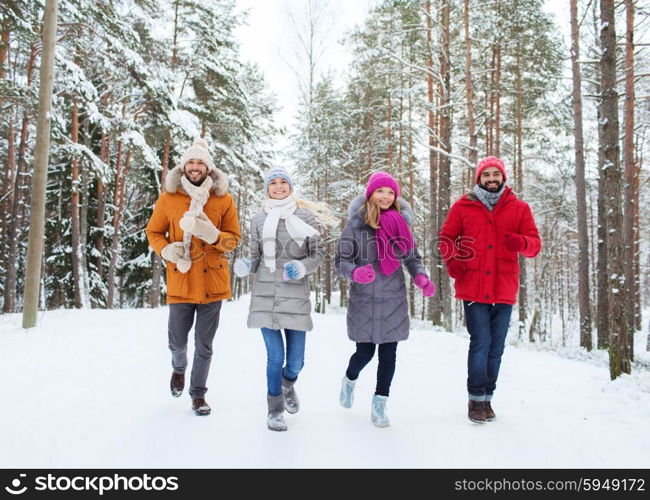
(219, 185)
(357, 211)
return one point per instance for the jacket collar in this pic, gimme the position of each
(508, 195)
(219, 181)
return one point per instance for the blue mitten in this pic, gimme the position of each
(293, 270)
(242, 267)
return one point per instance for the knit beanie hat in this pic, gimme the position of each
(490, 161)
(198, 151)
(275, 173)
(380, 180)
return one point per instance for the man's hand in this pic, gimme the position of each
(173, 252)
(200, 226)
(456, 268)
(515, 242)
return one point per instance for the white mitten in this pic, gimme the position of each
(200, 226)
(183, 264)
(173, 252)
(242, 267)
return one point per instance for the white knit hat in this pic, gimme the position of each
(198, 151)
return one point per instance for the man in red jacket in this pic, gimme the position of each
(480, 241)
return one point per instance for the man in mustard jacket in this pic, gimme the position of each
(194, 222)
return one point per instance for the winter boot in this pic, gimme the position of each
(291, 402)
(347, 392)
(476, 412)
(201, 407)
(177, 384)
(378, 414)
(275, 419)
(490, 416)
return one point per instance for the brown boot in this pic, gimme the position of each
(489, 412)
(476, 412)
(201, 407)
(177, 384)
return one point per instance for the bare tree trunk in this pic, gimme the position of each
(74, 208)
(602, 306)
(583, 238)
(83, 235)
(19, 198)
(489, 104)
(118, 200)
(105, 156)
(8, 180)
(619, 352)
(445, 160)
(389, 128)
(7, 194)
(433, 166)
(497, 92)
(519, 171)
(39, 180)
(154, 295)
(328, 245)
(630, 170)
(469, 91)
(636, 249)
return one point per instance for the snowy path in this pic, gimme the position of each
(90, 389)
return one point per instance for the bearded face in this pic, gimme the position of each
(491, 179)
(196, 171)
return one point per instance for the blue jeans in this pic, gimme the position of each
(385, 369)
(487, 325)
(275, 357)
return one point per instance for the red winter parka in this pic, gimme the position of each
(476, 236)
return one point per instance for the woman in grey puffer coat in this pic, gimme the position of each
(375, 242)
(285, 247)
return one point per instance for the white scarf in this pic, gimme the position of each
(199, 196)
(298, 229)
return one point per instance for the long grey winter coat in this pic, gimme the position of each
(276, 303)
(377, 311)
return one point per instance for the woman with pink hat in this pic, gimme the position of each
(375, 242)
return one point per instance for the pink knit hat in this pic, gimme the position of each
(380, 180)
(490, 161)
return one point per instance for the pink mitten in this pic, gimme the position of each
(363, 274)
(427, 286)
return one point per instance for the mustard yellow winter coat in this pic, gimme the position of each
(208, 280)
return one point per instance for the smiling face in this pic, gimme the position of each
(491, 179)
(383, 197)
(279, 189)
(196, 171)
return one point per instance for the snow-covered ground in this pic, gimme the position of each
(90, 389)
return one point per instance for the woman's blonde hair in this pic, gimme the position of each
(320, 210)
(373, 211)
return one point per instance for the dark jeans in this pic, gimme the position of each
(487, 325)
(181, 318)
(275, 357)
(385, 370)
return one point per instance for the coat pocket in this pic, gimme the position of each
(468, 284)
(507, 282)
(217, 280)
(178, 283)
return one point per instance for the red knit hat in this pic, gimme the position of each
(380, 180)
(490, 161)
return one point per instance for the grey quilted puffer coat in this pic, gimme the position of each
(377, 311)
(276, 303)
